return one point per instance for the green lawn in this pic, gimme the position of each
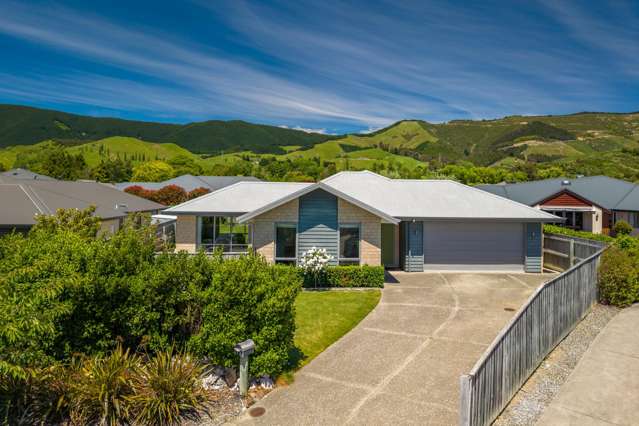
(322, 317)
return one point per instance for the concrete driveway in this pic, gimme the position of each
(402, 363)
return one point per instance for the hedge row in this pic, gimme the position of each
(347, 277)
(554, 229)
(65, 291)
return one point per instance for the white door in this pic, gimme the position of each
(481, 246)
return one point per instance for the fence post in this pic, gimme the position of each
(571, 253)
(464, 400)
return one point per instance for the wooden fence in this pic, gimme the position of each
(562, 252)
(544, 320)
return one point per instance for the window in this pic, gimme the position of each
(348, 244)
(633, 219)
(222, 232)
(286, 243)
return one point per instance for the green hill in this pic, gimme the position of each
(582, 143)
(21, 125)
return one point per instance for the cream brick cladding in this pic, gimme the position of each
(264, 227)
(185, 234)
(370, 228)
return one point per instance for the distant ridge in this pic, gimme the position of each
(23, 125)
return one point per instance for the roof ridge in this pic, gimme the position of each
(634, 186)
(506, 199)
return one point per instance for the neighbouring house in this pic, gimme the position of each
(24, 174)
(190, 182)
(364, 218)
(591, 204)
(24, 197)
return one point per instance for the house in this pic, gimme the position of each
(190, 182)
(591, 204)
(24, 197)
(364, 218)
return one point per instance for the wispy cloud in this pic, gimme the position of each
(317, 66)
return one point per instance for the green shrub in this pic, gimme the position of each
(355, 276)
(167, 390)
(40, 396)
(348, 277)
(622, 227)
(554, 229)
(64, 292)
(248, 298)
(102, 388)
(619, 277)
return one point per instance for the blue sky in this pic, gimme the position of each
(333, 67)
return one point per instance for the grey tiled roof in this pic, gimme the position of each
(604, 191)
(190, 182)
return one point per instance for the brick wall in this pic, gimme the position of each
(185, 234)
(370, 228)
(264, 227)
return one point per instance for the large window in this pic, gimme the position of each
(348, 244)
(222, 232)
(574, 220)
(285, 243)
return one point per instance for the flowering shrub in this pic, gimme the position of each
(315, 260)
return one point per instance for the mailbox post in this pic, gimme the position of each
(244, 349)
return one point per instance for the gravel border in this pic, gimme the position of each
(539, 390)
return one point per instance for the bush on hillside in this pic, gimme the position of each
(622, 228)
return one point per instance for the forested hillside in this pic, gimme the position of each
(510, 148)
(20, 125)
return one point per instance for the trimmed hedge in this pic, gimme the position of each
(554, 229)
(348, 277)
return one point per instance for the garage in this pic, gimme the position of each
(474, 246)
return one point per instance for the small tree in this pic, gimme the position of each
(314, 263)
(197, 192)
(170, 195)
(622, 228)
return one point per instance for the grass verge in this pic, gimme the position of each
(322, 317)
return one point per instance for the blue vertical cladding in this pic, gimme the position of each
(414, 250)
(317, 224)
(533, 248)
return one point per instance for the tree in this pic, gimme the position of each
(185, 165)
(81, 222)
(169, 195)
(60, 164)
(112, 171)
(153, 171)
(197, 192)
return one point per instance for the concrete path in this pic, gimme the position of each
(402, 363)
(604, 387)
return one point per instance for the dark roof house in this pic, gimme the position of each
(23, 199)
(190, 182)
(591, 203)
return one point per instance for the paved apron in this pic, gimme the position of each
(402, 363)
